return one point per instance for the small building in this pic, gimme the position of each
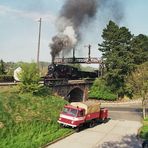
(16, 74)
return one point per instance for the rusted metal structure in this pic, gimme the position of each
(77, 60)
(74, 60)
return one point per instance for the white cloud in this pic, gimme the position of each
(5, 10)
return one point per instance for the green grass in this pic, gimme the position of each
(29, 121)
(144, 129)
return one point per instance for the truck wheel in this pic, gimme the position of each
(78, 129)
(105, 120)
(92, 123)
(61, 126)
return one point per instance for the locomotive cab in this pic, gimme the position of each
(50, 71)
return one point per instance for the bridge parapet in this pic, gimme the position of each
(78, 60)
(73, 91)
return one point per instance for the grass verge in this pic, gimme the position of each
(29, 121)
(144, 129)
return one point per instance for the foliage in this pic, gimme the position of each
(2, 67)
(11, 66)
(117, 55)
(139, 47)
(121, 53)
(144, 129)
(29, 121)
(43, 68)
(29, 78)
(138, 79)
(138, 83)
(6, 78)
(99, 90)
(43, 91)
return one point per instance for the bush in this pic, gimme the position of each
(43, 91)
(144, 129)
(29, 78)
(6, 78)
(100, 91)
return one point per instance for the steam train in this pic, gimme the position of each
(60, 71)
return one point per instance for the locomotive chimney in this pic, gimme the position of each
(63, 56)
(52, 61)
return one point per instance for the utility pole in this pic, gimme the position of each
(39, 40)
(89, 50)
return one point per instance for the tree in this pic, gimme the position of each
(2, 67)
(29, 78)
(117, 56)
(138, 83)
(139, 47)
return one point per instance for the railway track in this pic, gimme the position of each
(13, 83)
(52, 82)
(8, 83)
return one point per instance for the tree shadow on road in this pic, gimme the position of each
(129, 141)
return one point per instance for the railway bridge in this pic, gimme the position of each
(74, 90)
(71, 90)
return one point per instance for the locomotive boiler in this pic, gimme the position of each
(56, 71)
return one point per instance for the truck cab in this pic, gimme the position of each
(72, 116)
(77, 114)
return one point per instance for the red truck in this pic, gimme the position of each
(77, 114)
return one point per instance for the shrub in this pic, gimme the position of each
(6, 78)
(144, 129)
(29, 78)
(43, 91)
(100, 91)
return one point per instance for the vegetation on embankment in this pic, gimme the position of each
(100, 91)
(144, 129)
(27, 120)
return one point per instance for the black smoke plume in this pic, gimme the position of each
(73, 15)
(77, 11)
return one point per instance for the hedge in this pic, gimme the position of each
(6, 78)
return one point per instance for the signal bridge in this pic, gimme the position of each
(78, 60)
(74, 60)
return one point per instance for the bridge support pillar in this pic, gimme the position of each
(85, 95)
(73, 92)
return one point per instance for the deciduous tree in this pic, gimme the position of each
(29, 78)
(138, 83)
(2, 67)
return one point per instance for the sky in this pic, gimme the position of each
(19, 27)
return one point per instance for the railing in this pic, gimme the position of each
(77, 60)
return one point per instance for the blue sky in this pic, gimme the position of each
(19, 27)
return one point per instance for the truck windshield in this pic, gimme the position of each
(70, 111)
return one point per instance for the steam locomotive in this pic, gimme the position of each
(59, 71)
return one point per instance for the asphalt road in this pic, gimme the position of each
(119, 132)
(125, 114)
(131, 111)
(113, 134)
